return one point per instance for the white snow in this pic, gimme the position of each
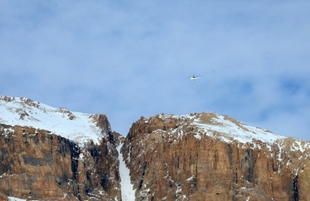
(18, 199)
(300, 145)
(76, 126)
(225, 129)
(128, 193)
(15, 199)
(228, 131)
(191, 178)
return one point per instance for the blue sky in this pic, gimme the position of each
(131, 59)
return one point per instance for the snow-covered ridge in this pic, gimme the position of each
(224, 128)
(229, 129)
(76, 126)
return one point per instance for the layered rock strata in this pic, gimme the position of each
(211, 157)
(39, 165)
(55, 154)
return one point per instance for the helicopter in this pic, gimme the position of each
(195, 77)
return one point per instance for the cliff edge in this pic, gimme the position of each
(55, 154)
(207, 156)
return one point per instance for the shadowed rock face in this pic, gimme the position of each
(39, 165)
(168, 161)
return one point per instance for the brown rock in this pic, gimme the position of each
(36, 164)
(169, 162)
(170, 157)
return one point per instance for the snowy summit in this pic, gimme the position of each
(76, 126)
(223, 128)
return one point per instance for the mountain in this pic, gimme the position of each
(207, 156)
(74, 126)
(55, 154)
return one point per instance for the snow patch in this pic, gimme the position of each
(128, 193)
(15, 199)
(223, 128)
(229, 130)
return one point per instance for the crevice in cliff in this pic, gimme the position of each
(295, 188)
(247, 164)
(142, 176)
(94, 152)
(75, 152)
(63, 146)
(216, 158)
(104, 182)
(230, 156)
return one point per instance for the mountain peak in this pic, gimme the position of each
(229, 129)
(210, 124)
(76, 126)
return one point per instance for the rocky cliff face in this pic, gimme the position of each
(38, 164)
(56, 154)
(211, 157)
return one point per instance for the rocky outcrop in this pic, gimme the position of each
(40, 165)
(55, 154)
(173, 158)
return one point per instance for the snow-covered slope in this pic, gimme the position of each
(76, 126)
(233, 130)
(227, 129)
(223, 128)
